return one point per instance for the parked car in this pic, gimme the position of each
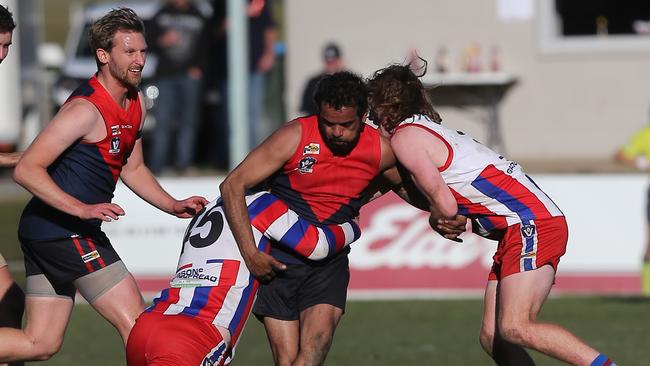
(80, 64)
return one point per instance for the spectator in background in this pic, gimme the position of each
(636, 153)
(177, 37)
(262, 35)
(332, 62)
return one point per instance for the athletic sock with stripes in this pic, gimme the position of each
(602, 360)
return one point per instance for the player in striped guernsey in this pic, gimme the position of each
(210, 297)
(461, 176)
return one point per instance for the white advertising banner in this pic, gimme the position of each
(398, 254)
(147, 239)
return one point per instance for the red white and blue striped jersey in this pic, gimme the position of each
(490, 189)
(212, 282)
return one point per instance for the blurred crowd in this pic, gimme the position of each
(191, 108)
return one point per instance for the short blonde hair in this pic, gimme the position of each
(103, 30)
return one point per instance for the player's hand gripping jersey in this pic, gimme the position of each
(491, 190)
(212, 282)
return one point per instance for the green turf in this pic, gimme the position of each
(422, 332)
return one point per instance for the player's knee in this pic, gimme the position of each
(514, 332)
(284, 359)
(314, 351)
(282, 355)
(321, 340)
(486, 338)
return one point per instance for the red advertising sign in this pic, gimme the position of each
(399, 253)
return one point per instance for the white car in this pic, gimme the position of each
(79, 62)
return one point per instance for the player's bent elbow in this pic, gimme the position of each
(20, 175)
(224, 187)
(229, 188)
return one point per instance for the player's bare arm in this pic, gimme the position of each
(418, 152)
(388, 159)
(391, 179)
(399, 181)
(260, 164)
(77, 120)
(137, 176)
(9, 160)
(141, 181)
(409, 192)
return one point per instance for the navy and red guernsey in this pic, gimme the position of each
(87, 171)
(323, 188)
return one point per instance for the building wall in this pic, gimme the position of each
(566, 105)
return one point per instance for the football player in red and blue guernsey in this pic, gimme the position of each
(322, 166)
(72, 168)
(461, 176)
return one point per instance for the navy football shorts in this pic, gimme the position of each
(64, 260)
(304, 285)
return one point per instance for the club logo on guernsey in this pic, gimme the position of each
(186, 274)
(115, 130)
(115, 145)
(528, 230)
(306, 164)
(311, 149)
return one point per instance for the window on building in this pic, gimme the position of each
(583, 26)
(602, 17)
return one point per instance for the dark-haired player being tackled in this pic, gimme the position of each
(323, 166)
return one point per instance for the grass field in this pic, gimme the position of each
(422, 332)
(409, 332)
